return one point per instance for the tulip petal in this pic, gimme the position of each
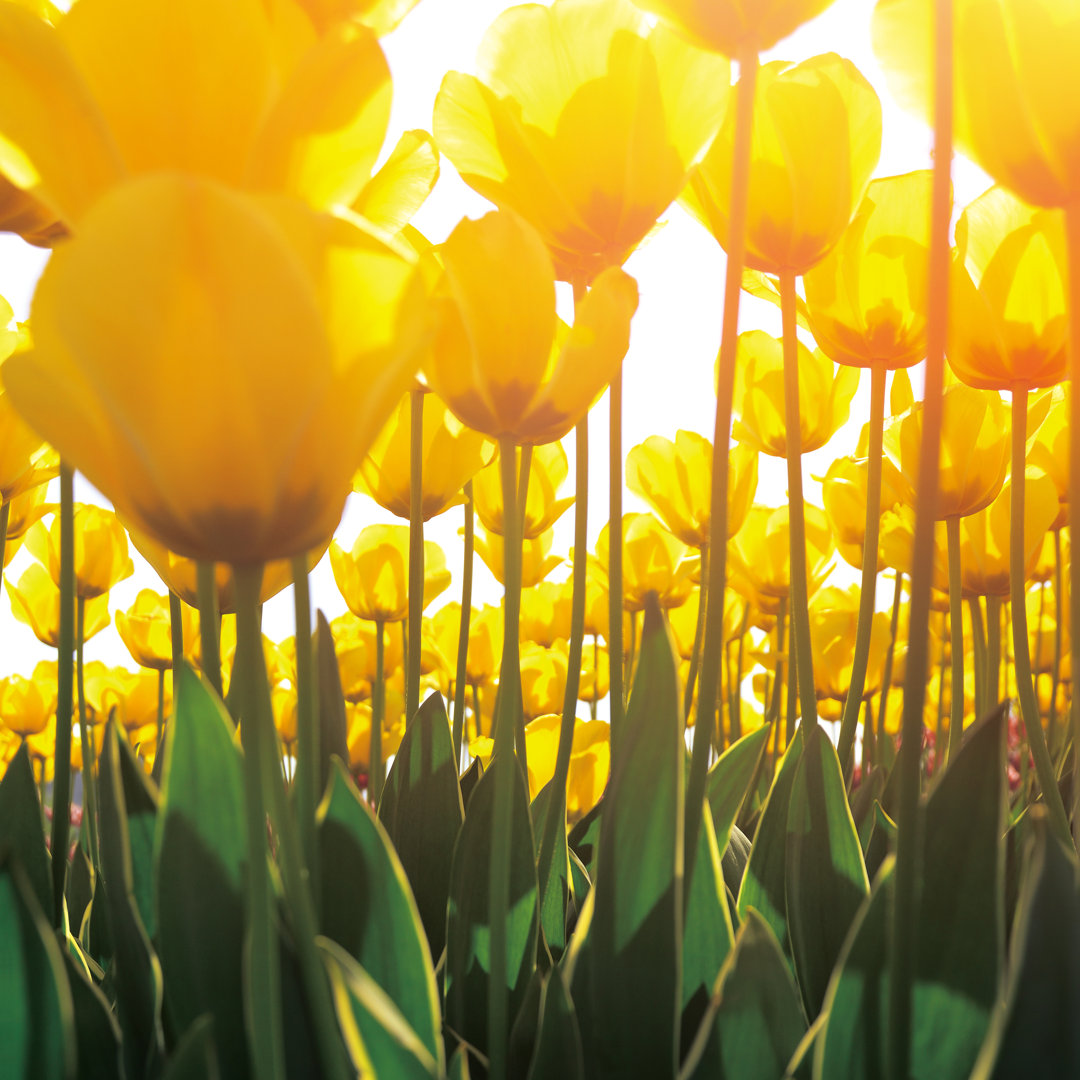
(399, 188)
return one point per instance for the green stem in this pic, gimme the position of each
(938, 747)
(778, 679)
(460, 678)
(308, 752)
(1055, 677)
(61, 822)
(416, 554)
(476, 711)
(904, 929)
(800, 600)
(209, 621)
(1025, 688)
(712, 644)
(956, 637)
(378, 712)
(1072, 230)
(596, 677)
(887, 671)
(86, 739)
(978, 635)
(633, 646)
(736, 713)
(699, 632)
(849, 721)
(792, 683)
(506, 710)
(615, 561)
(993, 649)
(160, 707)
(524, 471)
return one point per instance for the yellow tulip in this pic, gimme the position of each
(23, 511)
(373, 576)
(283, 702)
(834, 617)
(503, 361)
(816, 140)
(359, 736)
(547, 473)
(1007, 313)
(451, 456)
(654, 561)
(595, 681)
(391, 197)
(227, 439)
(485, 644)
(280, 666)
(674, 478)
(1048, 448)
(35, 601)
(133, 694)
(146, 629)
(545, 612)
(101, 550)
(974, 449)
(381, 15)
(825, 395)
(26, 705)
(866, 301)
(354, 646)
(536, 560)
(590, 760)
(25, 216)
(584, 121)
(245, 93)
(543, 679)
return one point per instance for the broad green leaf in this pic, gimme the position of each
(458, 1069)
(1037, 1034)
(37, 1023)
(97, 1034)
(584, 838)
(422, 812)
(825, 879)
(526, 1028)
(135, 968)
(468, 781)
(201, 861)
(369, 911)
(468, 932)
(194, 1057)
(863, 800)
(20, 825)
(763, 883)
(558, 1046)
(141, 802)
(556, 894)
(627, 984)
(730, 778)
(333, 725)
(755, 1021)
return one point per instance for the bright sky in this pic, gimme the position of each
(667, 375)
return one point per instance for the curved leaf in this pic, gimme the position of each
(21, 833)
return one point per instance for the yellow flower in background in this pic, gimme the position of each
(536, 558)
(27, 705)
(654, 561)
(590, 760)
(1007, 311)
(1015, 81)
(595, 679)
(1048, 447)
(675, 478)
(732, 26)
(825, 395)
(543, 679)
(35, 601)
(547, 473)
(359, 734)
(354, 645)
(146, 629)
(373, 576)
(325, 323)
(381, 15)
(23, 511)
(584, 121)
(816, 140)
(134, 696)
(866, 301)
(485, 644)
(452, 454)
(974, 449)
(834, 618)
(280, 665)
(101, 550)
(283, 703)
(545, 612)
(503, 361)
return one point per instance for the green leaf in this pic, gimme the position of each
(458, 1069)
(135, 969)
(333, 724)
(1037, 1034)
(20, 825)
(141, 802)
(763, 883)
(627, 983)
(468, 931)
(730, 778)
(468, 781)
(422, 812)
(584, 838)
(825, 878)
(79, 889)
(755, 1021)
(558, 1047)
(195, 1057)
(201, 861)
(369, 911)
(97, 1034)
(553, 905)
(37, 1025)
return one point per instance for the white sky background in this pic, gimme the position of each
(667, 375)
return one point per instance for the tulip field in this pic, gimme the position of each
(732, 778)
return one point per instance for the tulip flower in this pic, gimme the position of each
(543, 680)
(35, 601)
(26, 705)
(359, 718)
(590, 760)
(101, 550)
(146, 630)
(545, 613)
(452, 455)
(381, 15)
(546, 474)
(1048, 447)
(834, 627)
(536, 560)
(654, 562)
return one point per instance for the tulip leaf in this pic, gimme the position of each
(37, 1022)
(97, 1034)
(141, 802)
(730, 778)
(79, 889)
(458, 1069)
(201, 861)
(135, 969)
(21, 833)
(627, 984)
(422, 812)
(556, 890)
(762, 886)
(755, 1021)
(558, 1053)
(468, 932)
(468, 780)
(584, 838)
(368, 910)
(825, 879)
(525, 1028)
(195, 1057)
(333, 724)
(1036, 1034)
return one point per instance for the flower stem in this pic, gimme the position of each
(615, 561)
(1025, 688)
(887, 671)
(176, 634)
(378, 712)
(209, 620)
(61, 822)
(993, 650)
(89, 779)
(712, 644)
(463, 625)
(307, 730)
(1072, 230)
(1055, 677)
(849, 722)
(416, 554)
(956, 638)
(699, 631)
(978, 636)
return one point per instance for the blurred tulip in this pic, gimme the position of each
(825, 394)
(595, 672)
(843, 491)
(654, 561)
(543, 680)
(536, 562)
(101, 550)
(26, 705)
(451, 455)
(833, 624)
(1048, 447)
(381, 15)
(359, 736)
(354, 645)
(35, 601)
(547, 473)
(146, 629)
(590, 759)
(584, 121)
(545, 613)
(400, 187)
(503, 361)
(283, 703)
